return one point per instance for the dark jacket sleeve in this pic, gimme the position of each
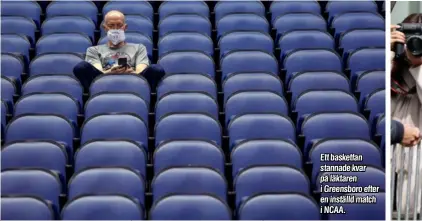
(397, 132)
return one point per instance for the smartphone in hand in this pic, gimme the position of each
(122, 62)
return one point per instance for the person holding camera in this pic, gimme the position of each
(117, 56)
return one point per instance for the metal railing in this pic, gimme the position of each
(406, 184)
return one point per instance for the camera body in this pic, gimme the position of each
(413, 33)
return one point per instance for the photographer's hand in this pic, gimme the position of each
(396, 36)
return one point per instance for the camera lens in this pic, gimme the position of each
(414, 45)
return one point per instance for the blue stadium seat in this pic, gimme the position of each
(168, 8)
(375, 104)
(188, 180)
(251, 81)
(104, 103)
(186, 102)
(12, 67)
(361, 38)
(79, 8)
(185, 41)
(184, 23)
(136, 23)
(265, 152)
(366, 59)
(190, 207)
(311, 60)
(279, 8)
(4, 111)
(380, 132)
(136, 38)
(245, 40)
(38, 183)
(316, 80)
(264, 179)
(183, 153)
(369, 82)
(283, 206)
(244, 102)
(29, 9)
(107, 181)
(109, 126)
(69, 24)
(371, 155)
(298, 21)
(107, 207)
(65, 84)
(187, 83)
(188, 62)
(242, 22)
(334, 8)
(260, 126)
(14, 43)
(8, 90)
(63, 43)
(223, 8)
(19, 25)
(143, 8)
(373, 211)
(48, 155)
(356, 20)
(333, 125)
(34, 209)
(187, 126)
(245, 61)
(121, 83)
(111, 153)
(41, 127)
(54, 63)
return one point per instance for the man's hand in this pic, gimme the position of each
(411, 136)
(130, 71)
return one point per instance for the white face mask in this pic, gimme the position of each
(116, 36)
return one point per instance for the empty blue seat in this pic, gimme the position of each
(223, 8)
(54, 63)
(352, 148)
(361, 38)
(121, 83)
(4, 110)
(262, 152)
(298, 21)
(185, 41)
(136, 38)
(279, 8)
(317, 80)
(42, 184)
(63, 43)
(367, 59)
(48, 155)
(19, 25)
(375, 104)
(244, 102)
(245, 61)
(260, 126)
(356, 20)
(14, 43)
(111, 207)
(25, 208)
(188, 62)
(187, 83)
(107, 181)
(251, 81)
(136, 23)
(12, 67)
(168, 8)
(186, 102)
(287, 206)
(372, 211)
(333, 125)
(42, 103)
(189, 180)
(104, 103)
(184, 23)
(183, 153)
(311, 60)
(245, 40)
(334, 8)
(187, 126)
(369, 82)
(110, 126)
(265, 179)
(80, 8)
(65, 84)
(143, 8)
(242, 22)
(69, 24)
(41, 127)
(29, 9)
(8, 90)
(190, 207)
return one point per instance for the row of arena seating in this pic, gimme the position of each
(255, 92)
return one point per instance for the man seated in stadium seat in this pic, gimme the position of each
(103, 59)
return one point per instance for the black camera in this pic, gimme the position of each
(413, 33)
